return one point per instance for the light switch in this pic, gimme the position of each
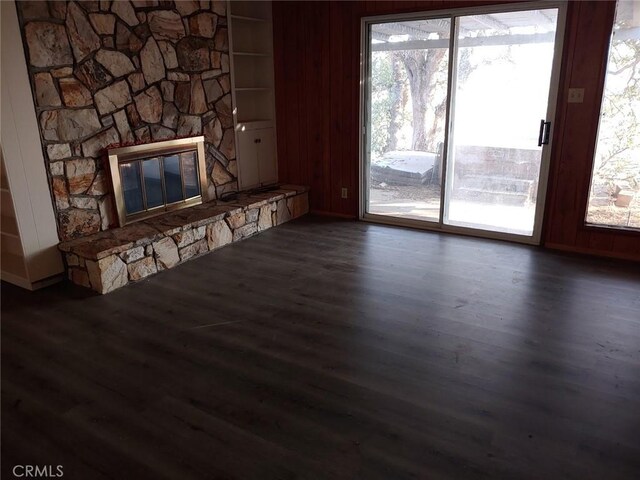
(576, 95)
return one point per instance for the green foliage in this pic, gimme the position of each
(381, 104)
(389, 112)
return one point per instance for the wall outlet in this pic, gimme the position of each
(576, 95)
(345, 193)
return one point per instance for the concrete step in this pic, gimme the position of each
(491, 196)
(497, 184)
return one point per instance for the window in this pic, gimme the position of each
(614, 197)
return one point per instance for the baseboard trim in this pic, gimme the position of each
(28, 284)
(325, 213)
(592, 252)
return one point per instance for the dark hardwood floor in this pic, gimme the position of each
(333, 349)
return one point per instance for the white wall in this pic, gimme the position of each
(22, 152)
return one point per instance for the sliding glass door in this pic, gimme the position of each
(456, 119)
(407, 106)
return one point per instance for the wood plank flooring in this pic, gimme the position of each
(326, 349)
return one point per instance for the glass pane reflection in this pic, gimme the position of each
(190, 172)
(152, 182)
(131, 187)
(172, 178)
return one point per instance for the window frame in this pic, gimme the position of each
(555, 100)
(595, 227)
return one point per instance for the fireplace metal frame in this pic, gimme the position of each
(129, 154)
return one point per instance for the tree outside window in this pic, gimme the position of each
(614, 198)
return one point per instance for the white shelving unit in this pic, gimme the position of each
(253, 93)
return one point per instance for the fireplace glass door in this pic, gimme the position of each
(157, 182)
(154, 178)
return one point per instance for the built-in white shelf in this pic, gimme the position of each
(251, 47)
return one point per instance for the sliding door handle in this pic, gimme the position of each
(541, 133)
(545, 131)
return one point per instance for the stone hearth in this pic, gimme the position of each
(111, 259)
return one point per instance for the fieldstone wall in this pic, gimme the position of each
(124, 72)
(110, 260)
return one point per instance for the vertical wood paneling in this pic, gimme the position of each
(297, 98)
(349, 113)
(304, 107)
(335, 104)
(322, 200)
(291, 73)
(585, 56)
(558, 144)
(588, 71)
(280, 75)
(629, 245)
(317, 91)
(313, 79)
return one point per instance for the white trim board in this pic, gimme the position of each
(23, 157)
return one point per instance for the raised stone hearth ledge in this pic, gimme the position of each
(112, 259)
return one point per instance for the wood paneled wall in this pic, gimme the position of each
(316, 72)
(317, 65)
(584, 63)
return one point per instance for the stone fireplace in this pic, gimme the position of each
(118, 73)
(111, 79)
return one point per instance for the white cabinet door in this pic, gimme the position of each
(266, 155)
(248, 172)
(257, 158)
